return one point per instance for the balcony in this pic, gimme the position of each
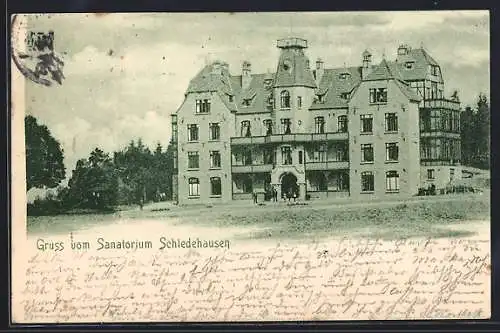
(441, 104)
(252, 168)
(291, 42)
(286, 138)
(327, 165)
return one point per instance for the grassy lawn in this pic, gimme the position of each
(417, 218)
(395, 220)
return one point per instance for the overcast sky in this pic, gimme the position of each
(127, 73)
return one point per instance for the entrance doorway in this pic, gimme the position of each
(289, 187)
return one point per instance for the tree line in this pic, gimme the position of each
(475, 134)
(102, 181)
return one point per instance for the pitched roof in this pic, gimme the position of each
(421, 61)
(301, 74)
(257, 93)
(333, 85)
(408, 92)
(384, 71)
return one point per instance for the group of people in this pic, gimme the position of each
(292, 193)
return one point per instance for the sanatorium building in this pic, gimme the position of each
(374, 130)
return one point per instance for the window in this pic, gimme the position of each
(192, 132)
(344, 95)
(214, 131)
(300, 157)
(366, 123)
(319, 125)
(435, 120)
(286, 155)
(215, 186)
(268, 125)
(342, 154)
(194, 187)
(409, 65)
(285, 99)
(344, 76)
(434, 70)
(247, 156)
(391, 122)
(378, 95)
(231, 98)
(452, 174)
(430, 174)
(193, 160)
(245, 128)
(247, 185)
(268, 156)
(299, 102)
(434, 90)
(202, 106)
(342, 124)
(392, 181)
(367, 181)
(247, 102)
(174, 131)
(286, 125)
(214, 159)
(174, 158)
(367, 153)
(391, 151)
(320, 153)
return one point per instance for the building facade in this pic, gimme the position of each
(306, 131)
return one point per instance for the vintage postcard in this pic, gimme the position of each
(233, 167)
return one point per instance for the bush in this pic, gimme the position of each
(43, 207)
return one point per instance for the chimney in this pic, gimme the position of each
(319, 71)
(225, 67)
(367, 64)
(403, 50)
(246, 77)
(217, 67)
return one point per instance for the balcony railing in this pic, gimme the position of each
(327, 165)
(292, 42)
(284, 138)
(252, 168)
(441, 103)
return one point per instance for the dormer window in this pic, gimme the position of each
(344, 76)
(344, 95)
(409, 65)
(248, 98)
(320, 95)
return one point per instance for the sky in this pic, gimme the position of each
(127, 73)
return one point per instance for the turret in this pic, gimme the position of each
(367, 64)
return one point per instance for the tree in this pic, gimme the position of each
(467, 135)
(475, 134)
(44, 156)
(94, 183)
(482, 159)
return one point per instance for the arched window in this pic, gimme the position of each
(285, 99)
(194, 187)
